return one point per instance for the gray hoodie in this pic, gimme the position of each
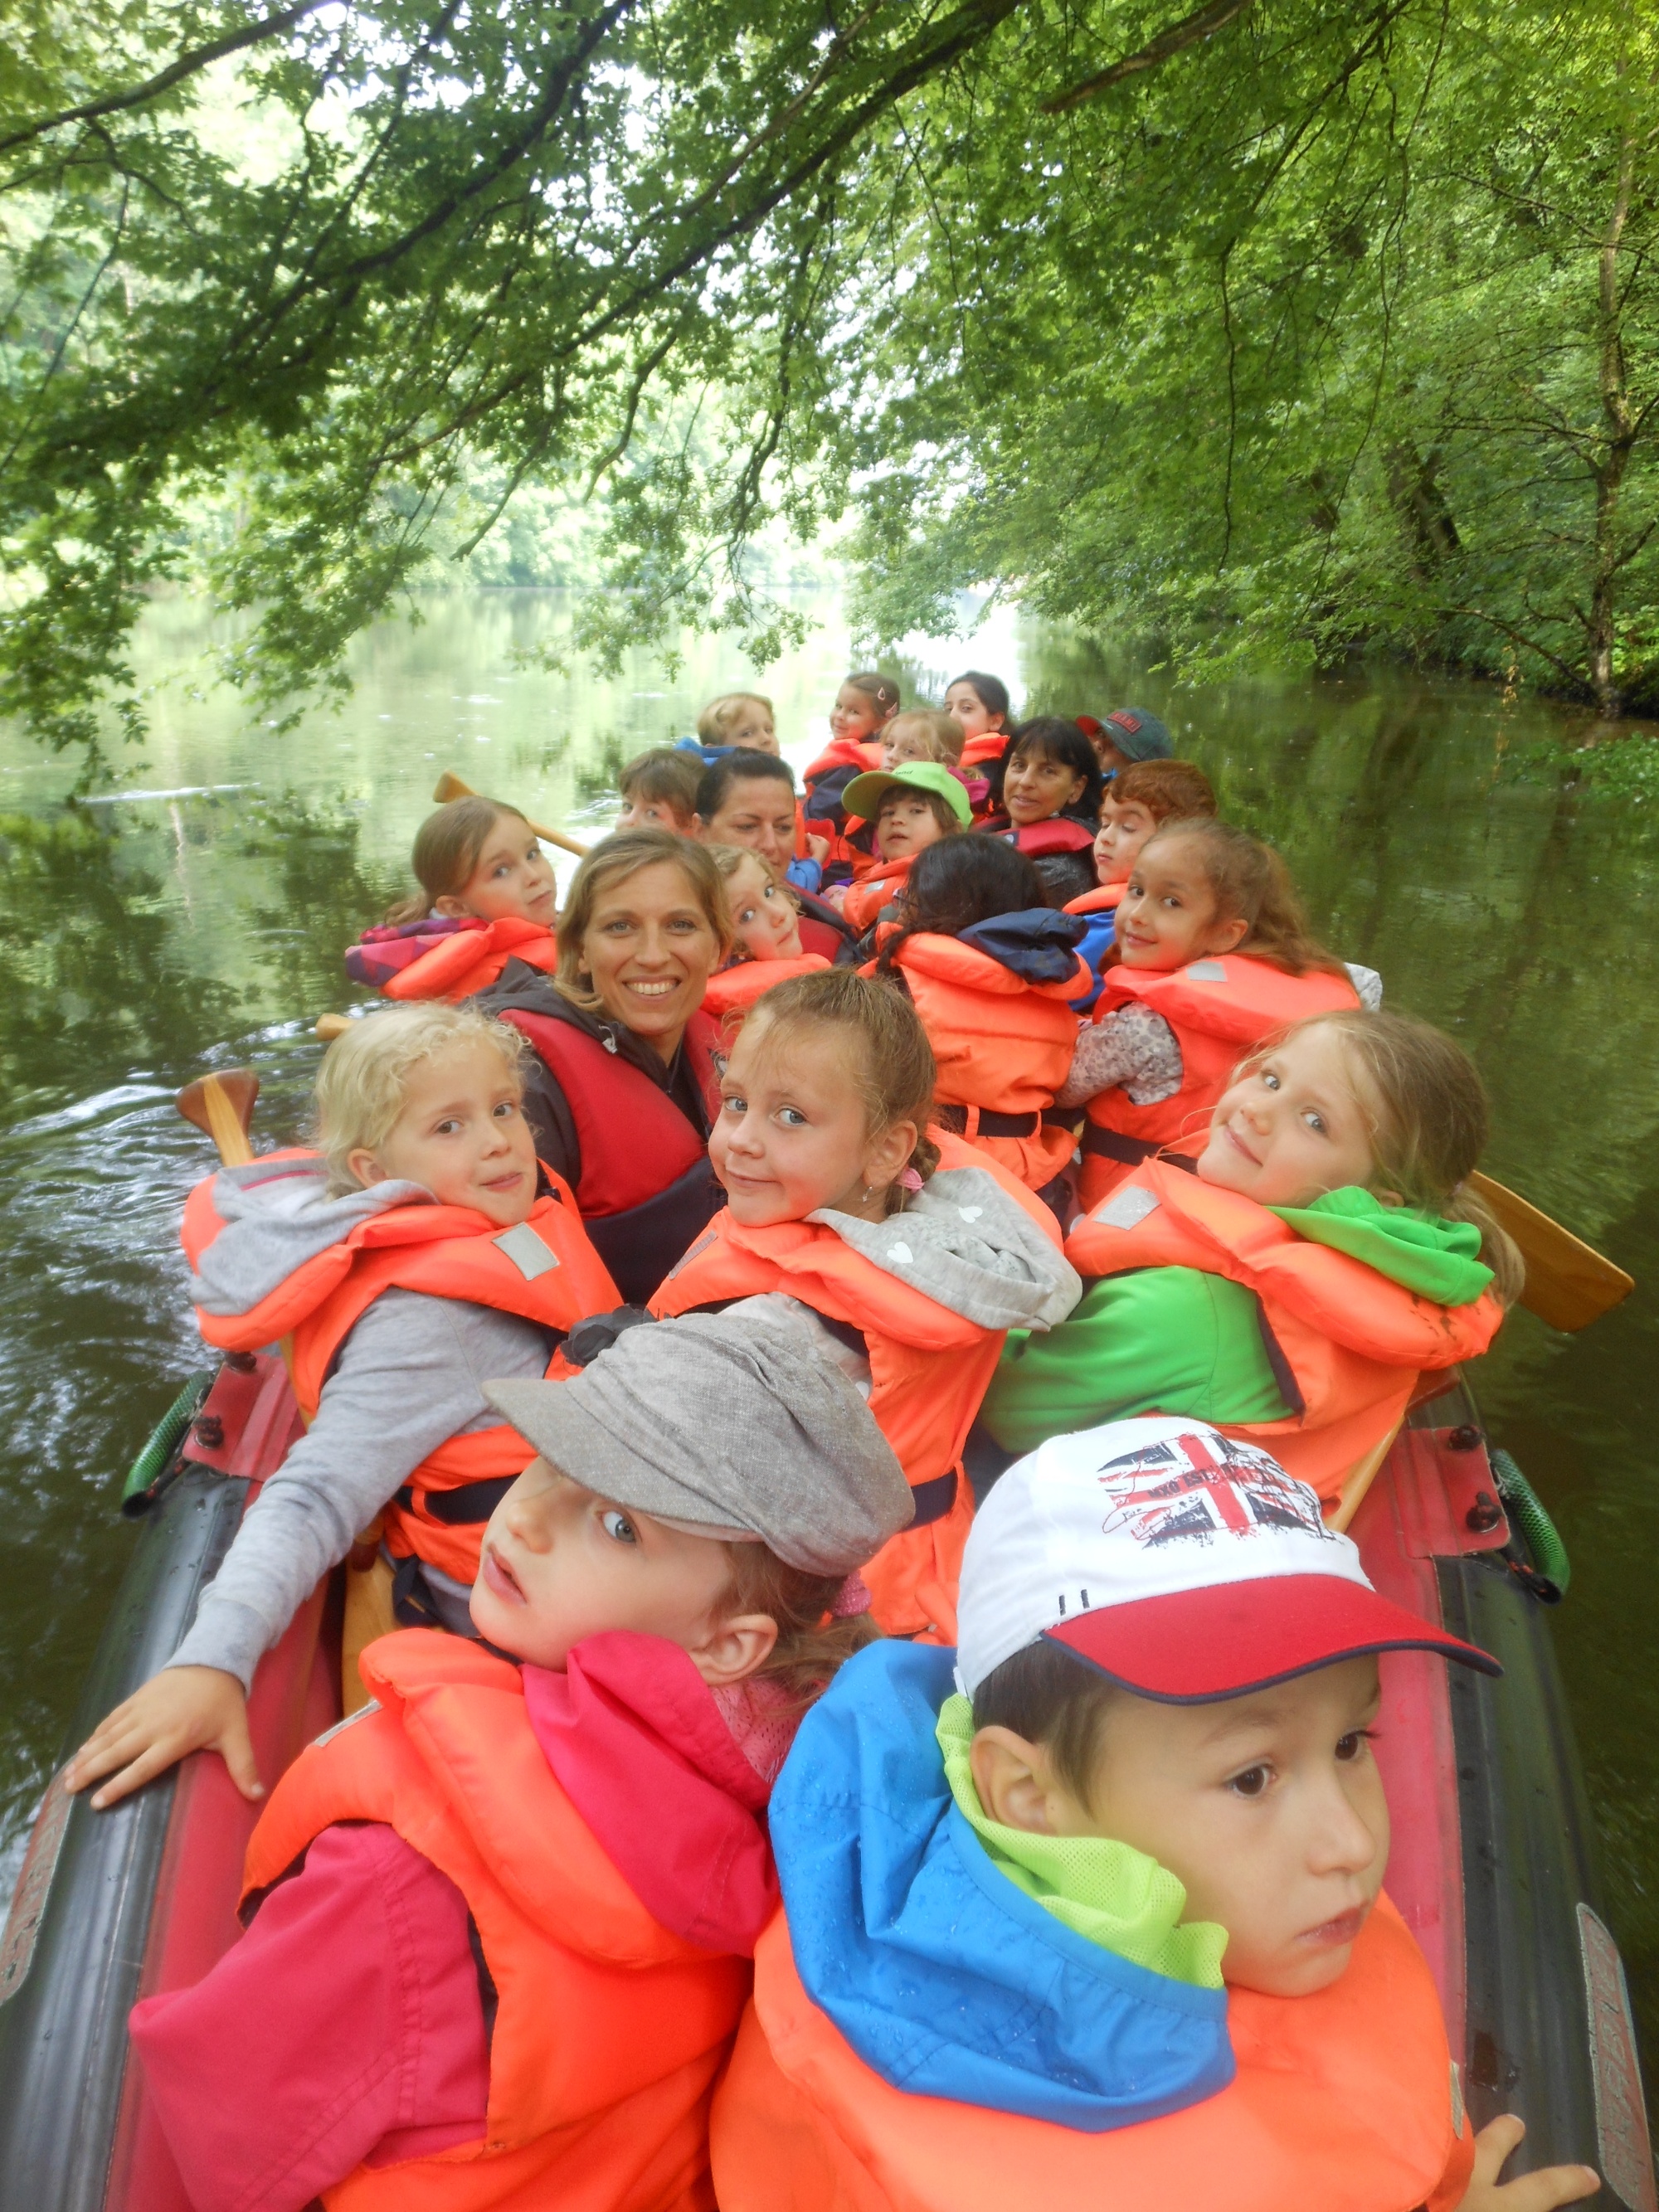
(961, 1240)
(408, 1377)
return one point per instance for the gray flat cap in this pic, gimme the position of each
(734, 1426)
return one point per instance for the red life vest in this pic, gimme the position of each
(877, 888)
(1055, 833)
(609, 2029)
(738, 986)
(545, 1269)
(1347, 1343)
(440, 959)
(1104, 899)
(929, 1368)
(1220, 1009)
(1344, 2102)
(646, 1187)
(840, 753)
(1003, 1046)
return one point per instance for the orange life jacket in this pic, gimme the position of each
(990, 747)
(876, 888)
(609, 2029)
(1347, 1343)
(1101, 900)
(1344, 2102)
(740, 986)
(1220, 1009)
(1003, 1046)
(545, 1269)
(472, 959)
(929, 1368)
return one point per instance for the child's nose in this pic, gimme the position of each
(1342, 1842)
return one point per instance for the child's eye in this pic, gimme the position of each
(1316, 1123)
(1269, 1080)
(748, 914)
(734, 1104)
(618, 1527)
(505, 1110)
(1252, 1782)
(446, 1127)
(791, 1117)
(1352, 1746)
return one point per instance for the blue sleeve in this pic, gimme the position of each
(1096, 944)
(806, 874)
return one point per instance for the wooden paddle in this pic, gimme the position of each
(1569, 1283)
(330, 1026)
(450, 786)
(222, 1106)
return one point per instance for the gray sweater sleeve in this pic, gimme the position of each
(408, 1378)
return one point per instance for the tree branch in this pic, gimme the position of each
(251, 34)
(1190, 31)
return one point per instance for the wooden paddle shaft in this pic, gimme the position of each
(450, 786)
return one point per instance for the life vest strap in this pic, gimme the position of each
(463, 1507)
(934, 1500)
(1132, 1151)
(972, 1121)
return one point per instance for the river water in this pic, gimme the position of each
(193, 916)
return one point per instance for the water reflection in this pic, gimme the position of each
(1432, 829)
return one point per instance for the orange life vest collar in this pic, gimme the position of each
(738, 986)
(1232, 996)
(1101, 900)
(947, 960)
(472, 959)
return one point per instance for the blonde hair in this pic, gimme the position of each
(448, 845)
(945, 735)
(613, 860)
(812, 1640)
(364, 1077)
(718, 716)
(1252, 885)
(728, 859)
(894, 1073)
(1429, 1120)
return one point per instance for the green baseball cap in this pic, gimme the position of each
(864, 794)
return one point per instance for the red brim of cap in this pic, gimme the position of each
(1192, 1647)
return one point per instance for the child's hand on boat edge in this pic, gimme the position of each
(1532, 2192)
(181, 1710)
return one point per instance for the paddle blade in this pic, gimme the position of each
(1569, 1283)
(330, 1026)
(450, 786)
(222, 1106)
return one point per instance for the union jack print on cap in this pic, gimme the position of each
(1185, 1565)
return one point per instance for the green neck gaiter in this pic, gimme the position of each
(1107, 1893)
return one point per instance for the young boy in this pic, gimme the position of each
(1107, 1927)
(1128, 734)
(744, 719)
(504, 1917)
(659, 789)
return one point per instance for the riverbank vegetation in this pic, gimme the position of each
(1273, 331)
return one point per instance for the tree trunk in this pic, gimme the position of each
(1621, 437)
(1415, 495)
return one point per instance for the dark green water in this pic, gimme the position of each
(1438, 833)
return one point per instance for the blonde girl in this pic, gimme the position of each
(904, 1252)
(376, 1255)
(1327, 1250)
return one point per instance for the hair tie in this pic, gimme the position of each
(910, 1180)
(851, 1599)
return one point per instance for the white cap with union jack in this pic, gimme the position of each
(1183, 1563)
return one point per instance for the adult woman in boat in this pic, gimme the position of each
(622, 1088)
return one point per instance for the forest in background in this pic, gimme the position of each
(1264, 335)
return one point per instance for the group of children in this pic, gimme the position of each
(739, 1810)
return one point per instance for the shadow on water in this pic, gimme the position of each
(1437, 832)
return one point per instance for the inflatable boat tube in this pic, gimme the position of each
(1493, 1861)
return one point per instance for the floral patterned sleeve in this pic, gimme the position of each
(1132, 1048)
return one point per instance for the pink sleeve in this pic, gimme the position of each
(346, 2025)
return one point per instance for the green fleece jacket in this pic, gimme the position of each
(1172, 1339)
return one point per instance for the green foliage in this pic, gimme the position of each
(1344, 334)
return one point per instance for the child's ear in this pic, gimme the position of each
(734, 1648)
(362, 1167)
(1016, 1783)
(451, 907)
(886, 1160)
(1226, 935)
